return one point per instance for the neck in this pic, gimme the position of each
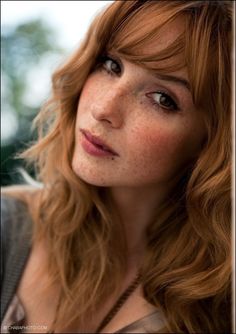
(136, 208)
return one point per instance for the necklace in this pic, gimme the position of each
(115, 308)
(119, 303)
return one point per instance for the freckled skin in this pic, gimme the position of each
(153, 145)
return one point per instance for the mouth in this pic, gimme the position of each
(95, 146)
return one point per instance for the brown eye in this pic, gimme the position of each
(164, 101)
(111, 66)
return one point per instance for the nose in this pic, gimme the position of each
(111, 107)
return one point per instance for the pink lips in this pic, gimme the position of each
(95, 146)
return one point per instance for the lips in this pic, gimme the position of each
(98, 143)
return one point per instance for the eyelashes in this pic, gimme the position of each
(110, 65)
(159, 99)
(163, 100)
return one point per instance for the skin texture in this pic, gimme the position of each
(120, 106)
(153, 143)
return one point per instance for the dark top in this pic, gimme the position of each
(16, 240)
(16, 233)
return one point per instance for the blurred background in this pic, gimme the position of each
(36, 37)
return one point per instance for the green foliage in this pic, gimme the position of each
(22, 49)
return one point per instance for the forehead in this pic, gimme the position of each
(166, 36)
(154, 39)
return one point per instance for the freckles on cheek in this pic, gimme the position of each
(155, 140)
(88, 92)
(156, 154)
(92, 89)
(155, 151)
(84, 97)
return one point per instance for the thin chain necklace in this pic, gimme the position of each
(115, 308)
(119, 303)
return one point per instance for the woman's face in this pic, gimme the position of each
(135, 128)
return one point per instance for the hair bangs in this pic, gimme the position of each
(138, 42)
(177, 245)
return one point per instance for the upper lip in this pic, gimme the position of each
(97, 141)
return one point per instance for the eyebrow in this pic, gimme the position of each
(172, 78)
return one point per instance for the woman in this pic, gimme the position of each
(131, 228)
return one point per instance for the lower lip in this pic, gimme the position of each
(94, 150)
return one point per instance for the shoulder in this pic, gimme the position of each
(14, 212)
(16, 223)
(19, 193)
(11, 206)
(18, 201)
(16, 240)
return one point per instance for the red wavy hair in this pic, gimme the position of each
(187, 268)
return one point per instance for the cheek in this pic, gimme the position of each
(156, 139)
(161, 149)
(85, 97)
(92, 92)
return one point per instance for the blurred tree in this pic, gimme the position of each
(23, 49)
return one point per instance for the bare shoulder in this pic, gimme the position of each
(19, 191)
(24, 193)
(19, 204)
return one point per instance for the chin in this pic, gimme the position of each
(90, 177)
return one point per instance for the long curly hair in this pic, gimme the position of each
(187, 266)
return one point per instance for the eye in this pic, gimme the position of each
(163, 100)
(110, 65)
